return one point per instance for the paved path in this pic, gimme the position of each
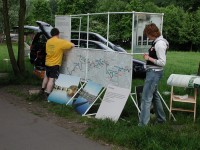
(21, 130)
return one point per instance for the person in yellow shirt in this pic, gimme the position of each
(55, 47)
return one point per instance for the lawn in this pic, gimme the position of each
(182, 134)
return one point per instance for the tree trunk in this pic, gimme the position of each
(198, 73)
(8, 38)
(191, 47)
(22, 11)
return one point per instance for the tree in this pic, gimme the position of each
(12, 12)
(54, 6)
(68, 7)
(18, 66)
(173, 17)
(189, 6)
(151, 7)
(22, 12)
(8, 38)
(186, 32)
(117, 25)
(196, 27)
(134, 5)
(1, 18)
(29, 17)
(41, 11)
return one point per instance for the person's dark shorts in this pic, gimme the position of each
(52, 71)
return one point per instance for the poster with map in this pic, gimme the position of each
(102, 67)
(74, 63)
(107, 67)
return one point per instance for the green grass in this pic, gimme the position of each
(4, 58)
(6, 67)
(182, 134)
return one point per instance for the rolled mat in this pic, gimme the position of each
(188, 81)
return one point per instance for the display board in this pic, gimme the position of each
(141, 43)
(102, 67)
(74, 63)
(64, 88)
(113, 103)
(63, 23)
(110, 68)
(86, 97)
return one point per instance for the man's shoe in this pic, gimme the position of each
(41, 92)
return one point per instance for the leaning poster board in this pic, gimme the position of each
(113, 103)
(86, 97)
(64, 88)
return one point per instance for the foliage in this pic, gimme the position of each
(29, 13)
(110, 6)
(134, 5)
(12, 12)
(151, 7)
(196, 29)
(41, 10)
(181, 16)
(75, 6)
(172, 23)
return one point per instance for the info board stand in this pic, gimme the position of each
(138, 92)
(135, 103)
(166, 106)
(85, 114)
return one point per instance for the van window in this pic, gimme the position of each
(84, 36)
(74, 35)
(94, 38)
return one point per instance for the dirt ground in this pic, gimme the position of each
(18, 95)
(37, 109)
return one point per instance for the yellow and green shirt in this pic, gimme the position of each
(55, 48)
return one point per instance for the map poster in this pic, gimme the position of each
(113, 103)
(74, 62)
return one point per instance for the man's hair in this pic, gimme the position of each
(54, 32)
(152, 30)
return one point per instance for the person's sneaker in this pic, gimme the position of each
(45, 96)
(41, 92)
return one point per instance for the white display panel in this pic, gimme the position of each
(63, 23)
(74, 63)
(100, 66)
